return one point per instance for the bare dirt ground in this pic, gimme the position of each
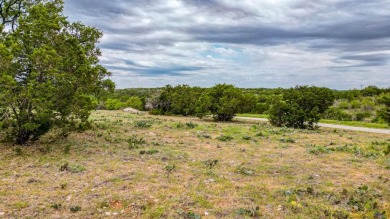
(352, 128)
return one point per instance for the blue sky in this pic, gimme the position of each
(340, 44)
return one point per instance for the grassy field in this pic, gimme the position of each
(142, 166)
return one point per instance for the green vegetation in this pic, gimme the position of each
(301, 107)
(183, 172)
(49, 71)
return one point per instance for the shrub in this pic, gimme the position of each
(337, 114)
(301, 107)
(225, 138)
(226, 101)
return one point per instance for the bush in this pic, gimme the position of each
(134, 102)
(337, 114)
(226, 101)
(301, 107)
(385, 112)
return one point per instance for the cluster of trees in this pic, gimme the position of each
(344, 105)
(298, 107)
(49, 69)
(223, 101)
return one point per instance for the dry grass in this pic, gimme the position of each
(185, 171)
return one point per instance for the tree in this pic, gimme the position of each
(301, 107)
(49, 71)
(385, 112)
(225, 101)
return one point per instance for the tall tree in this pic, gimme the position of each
(49, 71)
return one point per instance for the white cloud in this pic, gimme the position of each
(251, 43)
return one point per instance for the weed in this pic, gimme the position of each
(149, 152)
(143, 124)
(225, 138)
(169, 169)
(247, 138)
(18, 151)
(319, 150)
(64, 185)
(134, 142)
(46, 149)
(21, 205)
(75, 209)
(251, 212)
(56, 206)
(245, 171)
(191, 125)
(178, 125)
(203, 135)
(210, 163)
(72, 168)
(67, 149)
(287, 140)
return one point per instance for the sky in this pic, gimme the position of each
(340, 44)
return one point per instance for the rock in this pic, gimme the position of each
(131, 110)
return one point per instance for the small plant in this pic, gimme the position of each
(191, 125)
(169, 169)
(247, 138)
(134, 142)
(225, 138)
(287, 140)
(75, 209)
(319, 150)
(178, 125)
(149, 152)
(210, 163)
(21, 205)
(72, 168)
(18, 151)
(192, 215)
(143, 124)
(251, 212)
(56, 206)
(203, 135)
(64, 185)
(76, 168)
(67, 149)
(245, 171)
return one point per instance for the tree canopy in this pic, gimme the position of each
(301, 107)
(49, 70)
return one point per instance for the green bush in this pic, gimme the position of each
(301, 107)
(226, 101)
(335, 113)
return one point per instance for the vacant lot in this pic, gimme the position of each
(141, 166)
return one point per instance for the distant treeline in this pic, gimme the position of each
(224, 101)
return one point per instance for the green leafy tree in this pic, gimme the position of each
(301, 107)
(49, 72)
(134, 102)
(225, 101)
(385, 112)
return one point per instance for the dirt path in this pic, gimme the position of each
(362, 129)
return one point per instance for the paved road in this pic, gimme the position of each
(362, 129)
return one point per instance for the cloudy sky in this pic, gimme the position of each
(339, 44)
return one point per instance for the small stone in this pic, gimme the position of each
(206, 213)
(2, 213)
(115, 213)
(108, 213)
(69, 197)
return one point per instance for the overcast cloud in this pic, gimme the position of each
(339, 44)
